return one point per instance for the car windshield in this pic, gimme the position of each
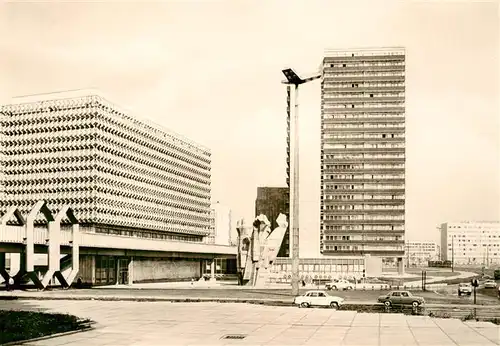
(464, 285)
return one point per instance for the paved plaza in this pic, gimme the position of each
(162, 323)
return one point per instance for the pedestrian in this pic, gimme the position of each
(498, 291)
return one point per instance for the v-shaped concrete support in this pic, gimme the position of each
(40, 206)
(12, 211)
(54, 235)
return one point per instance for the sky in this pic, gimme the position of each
(211, 70)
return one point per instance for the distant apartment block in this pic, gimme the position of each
(271, 201)
(471, 243)
(418, 253)
(363, 153)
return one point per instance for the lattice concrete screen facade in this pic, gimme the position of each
(114, 170)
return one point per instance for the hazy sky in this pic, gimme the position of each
(211, 70)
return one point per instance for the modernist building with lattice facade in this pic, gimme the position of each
(121, 175)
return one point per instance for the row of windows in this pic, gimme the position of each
(362, 125)
(363, 155)
(476, 235)
(368, 63)
(351, 73)
(365, 207)
(364, 176)
(394, 104)
(365, 187)
(378, 84)
(361, 94)
(322, 267)
(361, 135)
(353, 248)
(362, 238)
(365, 166)
(363, 115)
(364, 228)
(362, 217)
(381, 145)
(363, 197)
(342, 247)
(150, 235)
(464, 245)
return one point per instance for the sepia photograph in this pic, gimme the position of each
(237, 172)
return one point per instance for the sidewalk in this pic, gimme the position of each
(146, 324)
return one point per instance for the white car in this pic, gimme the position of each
(464, 288)
(339, 285)
(490, 284)
(318, 298)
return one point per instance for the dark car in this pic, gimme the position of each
(401, 298)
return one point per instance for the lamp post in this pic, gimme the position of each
(293, 79)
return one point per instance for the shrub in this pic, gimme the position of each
(24, 325)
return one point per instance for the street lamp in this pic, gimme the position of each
(293, 79)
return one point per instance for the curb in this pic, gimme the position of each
(157, 299)
(86, 327)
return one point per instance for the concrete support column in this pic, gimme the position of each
(212, 270)
(75, 253)
(54, 229)
(131, 271)
(4, 276)
(93, 260)
(54, 232)
(15, 263)
(30, 245)
(401, 266)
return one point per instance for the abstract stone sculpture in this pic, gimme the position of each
(258, 247)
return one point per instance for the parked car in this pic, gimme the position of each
(339, 285)
(496, 274)
(318, 298)
(464, 288)
(401, 298)
(490, 284)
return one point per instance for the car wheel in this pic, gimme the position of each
(334, 288)
(459, 294)
(414, 304)
(334, 305)
(349, 288)
(304, 305)
(387, 303)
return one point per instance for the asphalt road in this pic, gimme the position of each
(270, 294)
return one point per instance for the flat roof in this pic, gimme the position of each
(89, 92)
(364, 51)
